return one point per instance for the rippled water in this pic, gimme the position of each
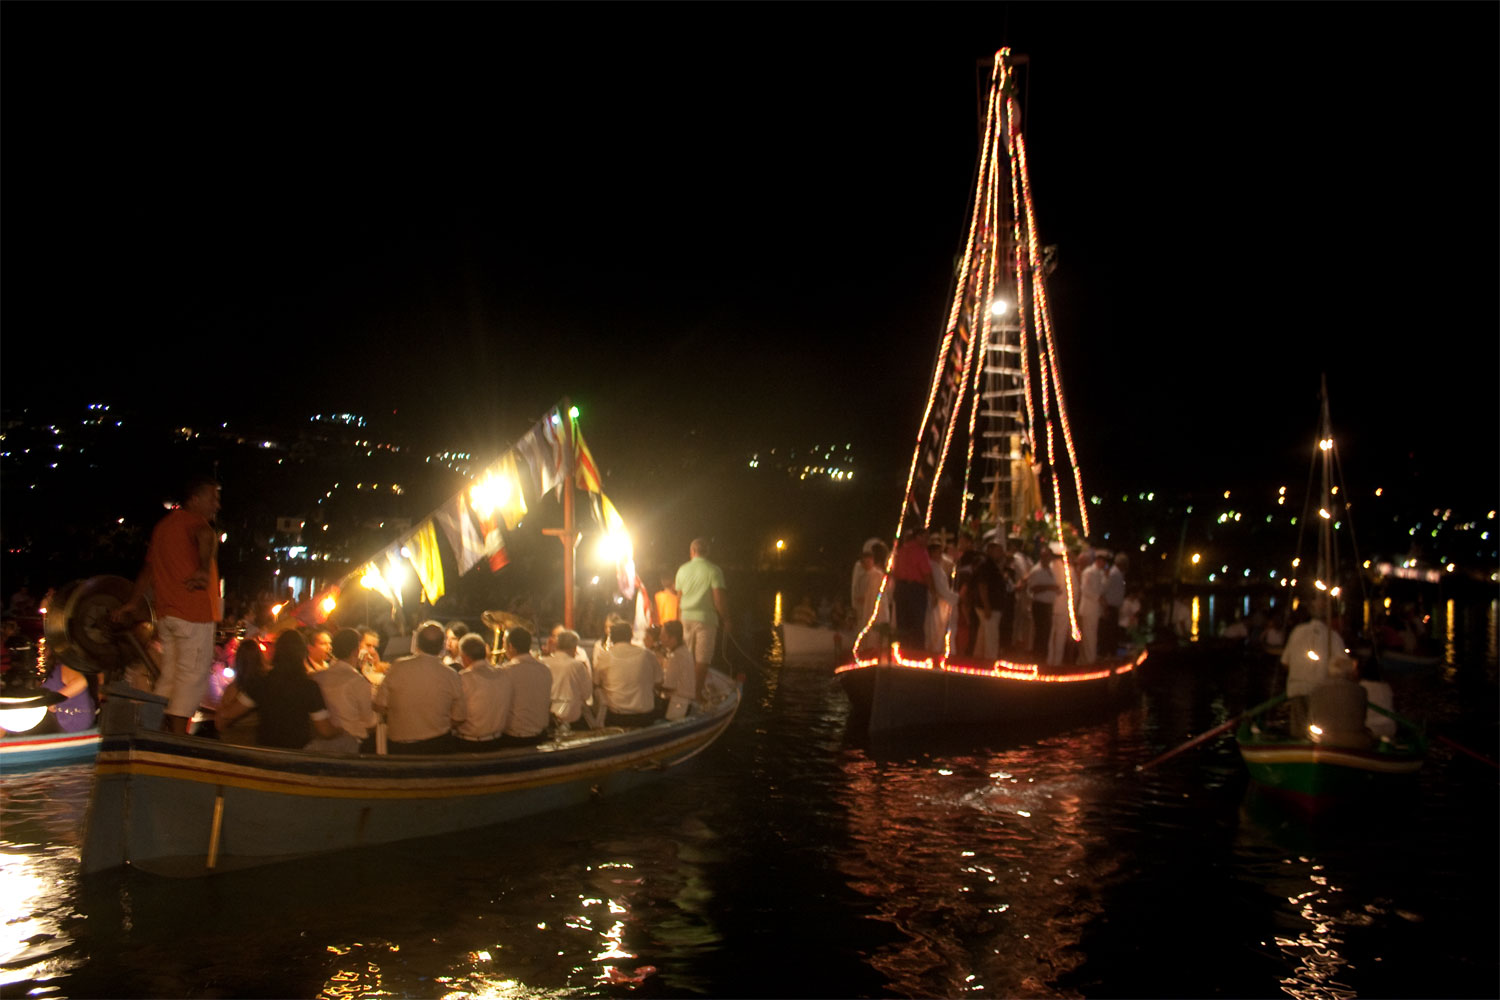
(796, 858)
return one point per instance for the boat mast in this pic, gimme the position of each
(568, 533)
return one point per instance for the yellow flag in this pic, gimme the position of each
(427, 560)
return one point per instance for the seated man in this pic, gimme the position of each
(626, 677)
(679, 673)
(572, 687)
(347, 695)
(531, 698)
(422, 697)
(488, 692)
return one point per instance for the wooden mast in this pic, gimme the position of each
(568, 533)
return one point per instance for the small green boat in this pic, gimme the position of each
(1317, 776)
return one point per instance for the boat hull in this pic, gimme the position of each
(185, 806)
(1316, 777)
(23, 752)
(891, 696)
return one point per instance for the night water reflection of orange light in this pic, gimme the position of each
(1002, 848)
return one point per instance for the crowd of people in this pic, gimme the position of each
(992, 597)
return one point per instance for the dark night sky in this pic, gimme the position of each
(743, 218)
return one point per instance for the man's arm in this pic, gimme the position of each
(206, 540)
(721, 605)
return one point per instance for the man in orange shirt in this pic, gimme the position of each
(182, 574)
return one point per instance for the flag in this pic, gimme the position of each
(427, 560)
(542, 448)
(462, 533)
(588, 472)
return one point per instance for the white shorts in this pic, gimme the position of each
(187, 659)
(700, 638)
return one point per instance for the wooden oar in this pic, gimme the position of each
(1215, 731)
(1472, 753)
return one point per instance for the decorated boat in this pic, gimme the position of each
(994, 442)
(25, 751)
(186, 805)
(1329, 746)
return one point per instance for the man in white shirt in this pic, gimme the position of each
(346, 694)
(1091, 585)
(626, 677)
(531, 698)
(572, 685)
(488, 692)
(421, 697)
(679, 673)
(1310, 649)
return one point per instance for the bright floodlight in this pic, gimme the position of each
(999, 307)
(614, 548)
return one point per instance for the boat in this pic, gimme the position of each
(996, 411)
(1317, 749)
(1316, 777)
(810, 643)
(186, 805)
(27, 751)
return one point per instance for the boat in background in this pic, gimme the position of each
(1318, 750)
(995, 406)
(809, 645)
(25, 751)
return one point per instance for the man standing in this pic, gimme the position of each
(1114, 597)
(703, 608)
(1042, 584)
(346, 694)
(678, 671)
(572, 686)
(182, 574)
(488, 693)
(531, 686)
(912, 574)
(989, 604)
(422, 697)
(1091, 586)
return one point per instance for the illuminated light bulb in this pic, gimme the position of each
(1282, 491)
(1335, 592)
(1296, 562)
(1315, 729)
(276, 609)
(1325, 444)
(1311, 655)
(1324, 514)
(999, 307)
(329, 603)
(1320, 585)
(1197, 558)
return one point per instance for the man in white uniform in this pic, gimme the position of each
(421, 697)
(572, 685)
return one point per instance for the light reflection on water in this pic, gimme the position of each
(799, 858)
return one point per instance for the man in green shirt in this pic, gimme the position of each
(703, 608)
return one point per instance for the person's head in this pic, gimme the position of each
(320, 646)
(1122, 561)
(1045, 557)
(369, 642)
(699, 547)
(201, 496)
(456, 631)
(471, 649)
(566, 641)
(877, 555)
(965, 541)
(935, 549)
(671, 634)
(993, 548)
(620, 632)
(289, 655)
(249, 659)
(1101, 559)
(346, 645)
(517, 641)
(430, 638)
(1012, 545)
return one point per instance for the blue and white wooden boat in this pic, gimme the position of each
(24, 751)
(182, 805)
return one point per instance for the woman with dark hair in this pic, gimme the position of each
(290, 703)
(238, 719)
